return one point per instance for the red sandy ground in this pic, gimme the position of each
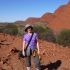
(54, 57)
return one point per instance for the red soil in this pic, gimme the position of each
(54, 57)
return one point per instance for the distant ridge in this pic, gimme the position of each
(58, 20)
(62, 19)
(32, 20)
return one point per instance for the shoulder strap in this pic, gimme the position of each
(29, 40)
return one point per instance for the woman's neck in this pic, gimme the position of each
(29, 33)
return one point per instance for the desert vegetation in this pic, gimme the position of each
(62, 38)
(44, 34)
(9, 28)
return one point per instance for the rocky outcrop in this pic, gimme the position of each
(48, 17)
(62, 21)
(32, 20)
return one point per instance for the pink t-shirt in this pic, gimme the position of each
(33, 41)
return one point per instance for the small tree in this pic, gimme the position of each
(14, 31)
(42, 23)
(1, 30)
(44, 34)
(63, 38)
(49, 35)
(11, 29)
(39, 30)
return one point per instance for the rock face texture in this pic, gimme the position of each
(32, 20)
(62, 19)
(48, 17)
(54, 57)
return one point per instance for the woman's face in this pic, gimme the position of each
(29, 30)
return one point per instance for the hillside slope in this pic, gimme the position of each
(53, 55)
(62, 19)
(32, 20)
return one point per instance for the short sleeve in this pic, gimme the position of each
(24, 38)
(36, 35)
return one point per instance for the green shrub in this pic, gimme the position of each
(39, 30)
(11, 29)
(44, 34)
(63, 38)
(1, 30)
(49, 35)
(14, 31)
(42, 23)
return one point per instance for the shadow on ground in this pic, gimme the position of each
(52, 66)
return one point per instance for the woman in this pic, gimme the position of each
(33, 46)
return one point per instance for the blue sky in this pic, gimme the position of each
(13, 10)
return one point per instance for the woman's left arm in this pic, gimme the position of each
(38, 45)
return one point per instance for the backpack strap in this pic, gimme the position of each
(29, 40)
